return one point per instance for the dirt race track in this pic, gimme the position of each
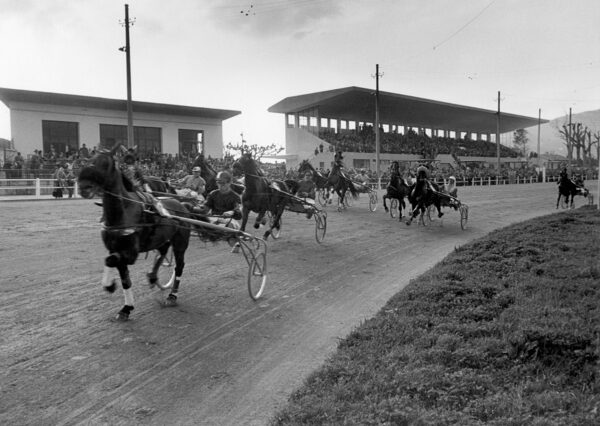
(219, 358)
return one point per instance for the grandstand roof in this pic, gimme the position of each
(11, 96)
(358, 104)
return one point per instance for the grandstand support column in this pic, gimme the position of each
(498, 135)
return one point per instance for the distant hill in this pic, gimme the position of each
(550, 140)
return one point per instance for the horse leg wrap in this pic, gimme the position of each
(128, 293)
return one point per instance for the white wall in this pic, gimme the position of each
(26, 126)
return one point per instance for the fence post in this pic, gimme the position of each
(76, 189)
(38, 191)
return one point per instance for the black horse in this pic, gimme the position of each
(396, 189)
(568, 189)
(335, 181)
(260, 194)
(206, 172)
(131, 228)
(321, 181)
(422, 195)
(209, 174)
(341, 184)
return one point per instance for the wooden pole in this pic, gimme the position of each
(130, 141)
(569, 146)
(377, 141)
(539, 160)
(498, 136)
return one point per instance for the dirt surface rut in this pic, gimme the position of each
(218, 358)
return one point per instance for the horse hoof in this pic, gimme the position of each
(111, 288)
(123, 314)
(236, 248)
(171, 300)
(122, 317)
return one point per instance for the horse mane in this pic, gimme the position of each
(201, 161)
(128, 183)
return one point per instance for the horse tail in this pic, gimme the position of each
(352, 189)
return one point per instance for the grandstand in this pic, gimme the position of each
(318, 124)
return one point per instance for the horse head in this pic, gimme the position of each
(246, 165)
(99, 174)
(206, 172)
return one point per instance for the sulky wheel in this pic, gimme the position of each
(322, 197)
(348, 200)
(165, 275)
(320, 226)
(372, 201)
(394, 207)
(425, 218)
(257, 275)
(430, 213)
(464, 215)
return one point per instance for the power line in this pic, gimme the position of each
(464, 26)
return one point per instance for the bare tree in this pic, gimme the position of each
(520, 141)
(574, 136)
(257, 151)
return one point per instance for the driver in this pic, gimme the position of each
(338, 161)
(451, 187)
(224, 202)
(192, 185)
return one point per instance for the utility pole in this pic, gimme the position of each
(127, 49)
(498, 136)
(377, 141)
(569, 146)
(539, 160)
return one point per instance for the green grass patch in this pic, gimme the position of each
(503, 331)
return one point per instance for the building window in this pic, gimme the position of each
(191, 142)
(63, 136)
(359, 163)
(148, 140)
(291, 120)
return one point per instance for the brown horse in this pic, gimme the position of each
(260, 194)
(131, 227)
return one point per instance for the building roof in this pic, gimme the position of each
(358, 104)
(10, 96)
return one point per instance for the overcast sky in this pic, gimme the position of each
(249, 55)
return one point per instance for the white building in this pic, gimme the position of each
(39, 120)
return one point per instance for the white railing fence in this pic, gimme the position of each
(36, 188)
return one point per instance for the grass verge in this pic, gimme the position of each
(504, 331)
